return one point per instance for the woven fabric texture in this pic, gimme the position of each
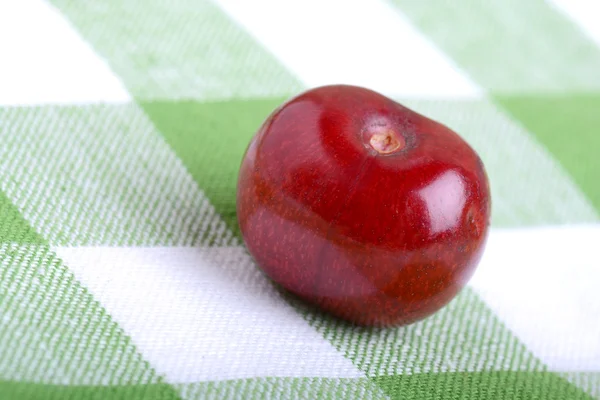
(122, 127)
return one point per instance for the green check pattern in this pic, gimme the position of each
(91, 188)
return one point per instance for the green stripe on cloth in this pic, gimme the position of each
(14, 228)
(480, 385)
(568, 125)
(183, 49)
(210, 139)
(39, 391)
(247, 389)
(460, 385)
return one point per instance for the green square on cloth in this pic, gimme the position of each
(122, 126)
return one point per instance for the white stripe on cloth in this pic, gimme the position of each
(585, 13)
(201, 314)
(209, 314)
(43, 60)
(543, 283)
(360, 42)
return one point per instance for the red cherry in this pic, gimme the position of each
(361, 206)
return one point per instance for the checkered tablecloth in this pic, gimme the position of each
(122, 128)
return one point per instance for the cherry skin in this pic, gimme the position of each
(355, 203)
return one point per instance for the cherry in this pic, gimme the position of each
(355, 203)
